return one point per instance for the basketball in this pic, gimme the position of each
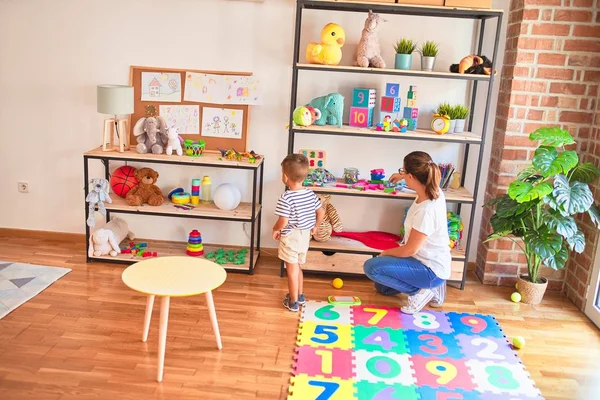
(122, 180)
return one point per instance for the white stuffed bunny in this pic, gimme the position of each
(96, 197)
(173, 142)
(106, 240)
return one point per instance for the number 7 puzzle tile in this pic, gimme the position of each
(326, 362)
(328, 335)
(382, 317)
(325, 312)
(304, 387)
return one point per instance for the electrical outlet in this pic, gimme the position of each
(23, 187)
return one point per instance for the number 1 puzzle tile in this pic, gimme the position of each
(304, 387)
(502, 378)
(487, 348)
(381, 391)
(328, 335)
(324, 312)
(389, 368)
(384, 340)
(326, 362)
(382, 317)
(427, 321)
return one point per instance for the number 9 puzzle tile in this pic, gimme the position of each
(442, 372)
(427, 321)
(304, 387)
(470, 324)
(330, 336)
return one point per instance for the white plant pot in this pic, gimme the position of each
(460, 125)
(452, 126)
(427, 63)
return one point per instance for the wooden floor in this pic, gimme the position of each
(80, 338)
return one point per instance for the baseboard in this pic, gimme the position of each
(33, 234)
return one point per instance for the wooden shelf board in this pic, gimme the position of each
(167, 249)
(419, 134)
(207, 159)
(460, 195)
(388, 71)
(243, 212)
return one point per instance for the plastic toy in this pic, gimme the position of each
(180, 198)
(516, 297)
(329, 51)
(455, 229)
(194, 148)
(174, 141)
(106, 240)
(232, 154)
(195, 247)
(96, 197)
(316, 158)
(331, 107)
(318, 177)
(337, 283)
(227, 197)
(174, 191)
(206, 189)
(122, 180)
(518, 342)
(350, 175)
(222, 257)
(344, 300)
(195, 197)
(472, 64)
(305, 116)
(377, 175)
(368, 51)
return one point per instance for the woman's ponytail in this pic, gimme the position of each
(432, 185)
(421, 166)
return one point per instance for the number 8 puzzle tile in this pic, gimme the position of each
(306, 387)
(502, 378)
(324, 312)
(326, 362)
(382, 317)
(329, 335)
(427, 321)
(390, 368)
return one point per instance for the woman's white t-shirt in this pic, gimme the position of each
(430, 218)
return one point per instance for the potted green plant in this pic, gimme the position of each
(538, 212)
(404, 49)
(460, 113)
(429, 51)
(446, 109)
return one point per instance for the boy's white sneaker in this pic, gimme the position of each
(417, 302)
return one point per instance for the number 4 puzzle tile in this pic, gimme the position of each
(322, 312)
(384, 340)
(304, 387)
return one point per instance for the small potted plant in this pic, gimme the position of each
(452, 114)
(445, 109)
(429, 51)
(404, 49)
(460, 114)
(539, 212)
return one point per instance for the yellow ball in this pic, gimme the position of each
(337, 283)
(518, 342)
(516, 297)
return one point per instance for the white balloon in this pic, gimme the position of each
(227, 197)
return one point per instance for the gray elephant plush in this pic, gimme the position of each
(151, 135)
(331, 108)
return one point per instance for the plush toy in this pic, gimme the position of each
(479, 65)
(331, 222)
(146, 191)
(305, 115)
(329, 51)
(368, 51)
(151, 133)
(174, 141)
(97, 196)
(331, 108)
(106, 240)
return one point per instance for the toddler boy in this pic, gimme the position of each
(300, 212)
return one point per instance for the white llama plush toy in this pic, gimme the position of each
(368, 51)
(174, 142)
(106, 240)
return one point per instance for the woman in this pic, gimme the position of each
(421, 265)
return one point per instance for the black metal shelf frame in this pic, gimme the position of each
(257, 196)
(481, 15)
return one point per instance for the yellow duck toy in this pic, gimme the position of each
(329, 51)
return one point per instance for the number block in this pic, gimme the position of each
(374, 366)
(502, 378)
(328, 335)
(368, 390)
(408, 111)
(390, 104)
(382, 317)
(428, 393)
(411, 103)
(380, 339)
(412, 95)
(392, 89)
(364, 98)
(412, 124)
(361, 117)
(315, 361)
(427, 321)
(325, 312)
(481, 325)
(442, 372)
(433, 344)
(486, 348)
(306, 387)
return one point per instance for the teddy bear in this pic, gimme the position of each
(106, 240)
(331, 222)
(146, 191)
(97, 196)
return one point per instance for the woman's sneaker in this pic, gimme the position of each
(439, 295)
(290, 305)
(417, 301)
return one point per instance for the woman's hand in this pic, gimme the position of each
(397, 177)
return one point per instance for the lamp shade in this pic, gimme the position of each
(115, 99)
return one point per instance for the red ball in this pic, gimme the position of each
(122, 180)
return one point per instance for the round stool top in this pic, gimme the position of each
(174, 276)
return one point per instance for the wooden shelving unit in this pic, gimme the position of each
(349, 255)
(245, 212)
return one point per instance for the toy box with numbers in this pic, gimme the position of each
(374, 352)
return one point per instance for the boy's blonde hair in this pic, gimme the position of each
(295, 167)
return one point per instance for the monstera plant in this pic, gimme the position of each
(541, 206)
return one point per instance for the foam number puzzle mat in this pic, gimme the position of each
(377, 353)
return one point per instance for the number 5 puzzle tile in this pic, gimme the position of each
(324, 313)
(442, 372)
(326, 362)
(381, 391)
(427, 321)
(304, 387)
(328, 335)
(382, 317)
(487, 348)
(389, 368)
(502, 378)
(384, 340)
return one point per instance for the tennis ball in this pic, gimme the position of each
(337, 283)
(516, 297)
(518, 342)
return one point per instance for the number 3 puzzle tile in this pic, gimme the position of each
(326, 362)
(328, 335)
(304, 387)
(382, 317)
(324, 313)
(427, 321)
(390, 368)
(381, 391)
(432, 344)
(487, 348)
(502, 378)
(442, 372)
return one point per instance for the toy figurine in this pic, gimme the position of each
(329, 51)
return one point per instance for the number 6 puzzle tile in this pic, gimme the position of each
(324, 313)
(382, 317)
(486, 349)
(304, 387)
(329, 335)
(390, 368)
(326, 362)
(502, 378)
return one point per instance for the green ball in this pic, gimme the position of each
(518, 342)
(516, 297)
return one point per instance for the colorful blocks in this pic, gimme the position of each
(392, 89)
(361, 117)
(411, 103)
(390, 104)
(410, 112)
(412, 124)
(364, 98)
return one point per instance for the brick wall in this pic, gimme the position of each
(550, 78)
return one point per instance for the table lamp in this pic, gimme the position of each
(115, 100)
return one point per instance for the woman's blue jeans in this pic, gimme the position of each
(393, 275)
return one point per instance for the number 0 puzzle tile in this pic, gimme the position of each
(382, 317)
(326, 362)
(442, 372)
(475, 324)
(384, 340)
(502, 378)
(487, 348)
(328, 335)
(389, 368)
(381, 391)
(427, 321)
(429, 393)
(304, 387)
(323, 312)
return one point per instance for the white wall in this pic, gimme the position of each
(53, 54)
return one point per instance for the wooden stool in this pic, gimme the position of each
(168, 277)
